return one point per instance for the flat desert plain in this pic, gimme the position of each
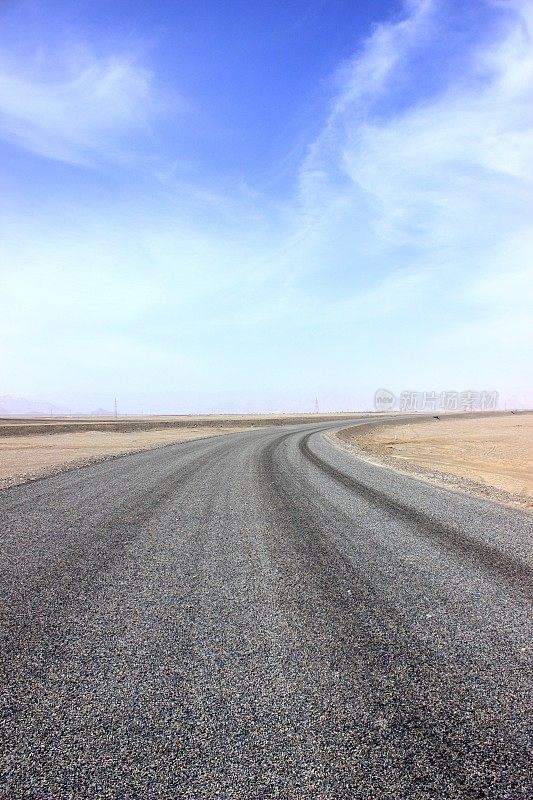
(490, 455)
(34, 447)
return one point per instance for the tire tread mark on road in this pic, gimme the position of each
(92, 552)
(139, 513)
(358, 613)
(491, 559)
(78, 472)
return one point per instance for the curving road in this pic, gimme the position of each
(261, 616)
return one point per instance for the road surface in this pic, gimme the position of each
(261, 616)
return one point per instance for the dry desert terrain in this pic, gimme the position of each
(490, 455)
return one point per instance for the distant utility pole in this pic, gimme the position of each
(316, 405)
(116, 412)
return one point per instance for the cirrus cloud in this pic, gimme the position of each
(86, 114)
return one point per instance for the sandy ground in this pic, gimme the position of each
(31, 448)
(492, 455)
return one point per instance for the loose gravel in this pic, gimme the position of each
(261, 616)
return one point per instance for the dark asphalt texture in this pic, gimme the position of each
(262, 615)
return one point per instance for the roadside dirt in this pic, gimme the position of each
(490, 456)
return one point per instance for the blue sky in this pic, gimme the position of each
(223, 206)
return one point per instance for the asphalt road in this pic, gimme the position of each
(261, 616)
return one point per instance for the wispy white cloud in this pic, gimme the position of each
(409, 241)
(413, 228)
(362, 83)
(432, 184)
(85, 111)
(434, 151)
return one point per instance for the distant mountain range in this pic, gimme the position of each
(19, 406)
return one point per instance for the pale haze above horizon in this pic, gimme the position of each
(248, 206)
